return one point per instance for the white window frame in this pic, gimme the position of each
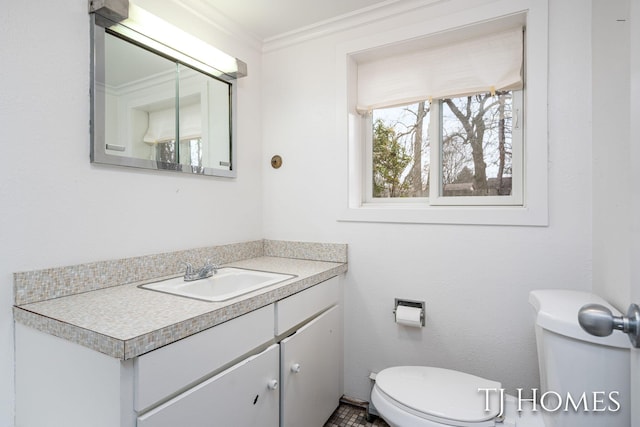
(532, 209)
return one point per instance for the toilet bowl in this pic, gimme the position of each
(407, 396)
(571, 362)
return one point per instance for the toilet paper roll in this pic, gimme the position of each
(409, 316)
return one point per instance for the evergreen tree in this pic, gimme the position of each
(390, 159)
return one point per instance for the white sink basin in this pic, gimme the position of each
(228, 283)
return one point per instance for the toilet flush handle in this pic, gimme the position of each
(598, 320)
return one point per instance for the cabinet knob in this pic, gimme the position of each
(295, 368)
(272, 384)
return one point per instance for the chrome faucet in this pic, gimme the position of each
(191, 274)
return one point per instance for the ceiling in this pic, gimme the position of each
(265, 19)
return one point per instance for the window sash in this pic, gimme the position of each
(368, 199)
(516, 196)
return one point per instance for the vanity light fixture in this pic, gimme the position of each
(153, 32)
(113, 10)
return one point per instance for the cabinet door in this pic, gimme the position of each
(310, 372)
(244, 395)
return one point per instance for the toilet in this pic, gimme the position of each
(584, 380)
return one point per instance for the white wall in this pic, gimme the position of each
(612, 183)
(56, 208)
(474, 279)
(616, 207)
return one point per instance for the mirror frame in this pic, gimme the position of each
(98, 149)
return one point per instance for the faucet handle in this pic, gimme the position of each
(212, 266)
(189, 267)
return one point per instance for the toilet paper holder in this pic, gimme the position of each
(410, 303)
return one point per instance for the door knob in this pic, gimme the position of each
(295, 368)
(598, 320)
(272, 384)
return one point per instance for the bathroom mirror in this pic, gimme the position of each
(150, 110)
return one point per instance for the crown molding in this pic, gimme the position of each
(358, 18)
(221, 22)
(379, 11)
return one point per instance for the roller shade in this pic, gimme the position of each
(482, 64)
(162, 124)
(190, 122)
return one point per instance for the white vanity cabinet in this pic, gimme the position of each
(238, 373)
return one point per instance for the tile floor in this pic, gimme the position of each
(352, 416)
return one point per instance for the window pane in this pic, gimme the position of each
(166, 152)
(401, 151)
(190, 152)
(476, 135)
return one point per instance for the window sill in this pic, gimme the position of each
(460, 215)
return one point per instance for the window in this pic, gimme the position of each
(454, 143)
(442, 127)
(449, 151)
(190, 149)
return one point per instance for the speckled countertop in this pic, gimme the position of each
(125, 321)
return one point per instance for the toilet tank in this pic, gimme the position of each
(579, 369)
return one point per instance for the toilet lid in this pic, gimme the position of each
(441, 394)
